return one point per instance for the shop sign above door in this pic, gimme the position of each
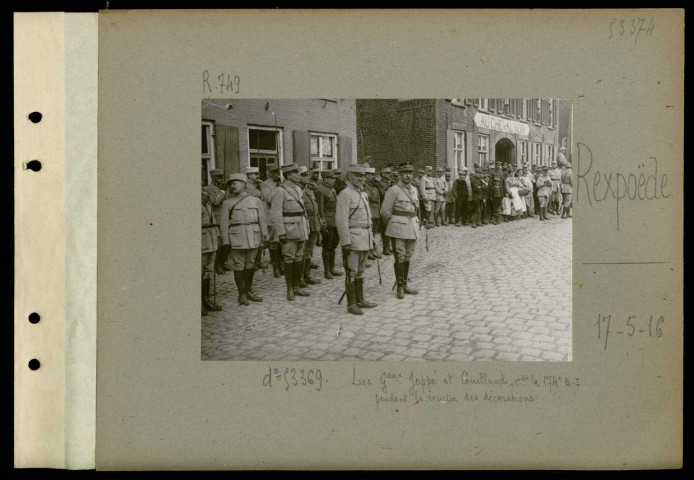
(501, 124)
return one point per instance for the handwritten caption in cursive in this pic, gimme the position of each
(629, 326)
(631, 27)
(294, 378)
(395, 386)
(220, 83)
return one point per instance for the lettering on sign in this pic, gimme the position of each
(491, 122)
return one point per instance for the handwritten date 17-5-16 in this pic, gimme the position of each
(294, 377)
(630, 326)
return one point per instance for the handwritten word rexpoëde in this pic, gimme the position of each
(647, 184)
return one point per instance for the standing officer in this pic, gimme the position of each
(555, 197)
(566, 191)
(210, 235)
(244, 229)
(383, 187)
(267, 190)
(253, 184)
(544, 191)
(327, 204)
(311, 206)
(216, 197)
(462, 194)
(478, 193)
(399, 214)
(449, 213)
(371, 189)
(440, 202)
(353, 220)
(315, 177)
(291, 226)
(427, 189)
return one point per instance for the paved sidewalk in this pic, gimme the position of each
(499, 292)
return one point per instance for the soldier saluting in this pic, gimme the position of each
(244, 229)
(399, 211)
(353, 220)
(291, 226)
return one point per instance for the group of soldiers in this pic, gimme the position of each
(293, 212)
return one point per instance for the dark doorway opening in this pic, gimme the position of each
(505, 151)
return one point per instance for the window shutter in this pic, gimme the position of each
(344, 152)
(492, 104)
(450, 150)
(554, 113)
(226, 144)
(302, 147)
(476, 102)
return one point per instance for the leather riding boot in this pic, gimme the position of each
(563, 212)
(280, 259)
(405, 273)
(203, 310)
(335, 273)
(359, 290)
(288, 277)
(568, 209)
(399, 272)
(375, 253)
(297, 270)
(248, 283)
(326, 265)
(312, 265)
(210, 306)
(387, 250)
(273, 259)
(307, 273)
(240, 281)
(352, 306)
(300, 266)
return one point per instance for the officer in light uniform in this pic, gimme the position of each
(427, 189)
(327, 204)
(291, 226)
(210, 237)
(399, 212)
(566, 191)
(253, 184)
(353, 219)
(555, 198)
(267, 190)
(440, 202)
(244, 229)
(311, 206)
(216, 197)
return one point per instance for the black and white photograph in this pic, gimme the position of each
(386, 229)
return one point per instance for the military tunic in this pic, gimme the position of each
(210, 234)
(253, 189)
(399, 214)
(267, 190)
(353, 219)
(375, 207)
(311, 206)
(289, 218)
(327, 204)
(243, 228)
(566, 187)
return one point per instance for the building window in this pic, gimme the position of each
(264, 148)
(484, 104)
(483, 148)
(523, 151)
(538, 111)
(208, 160)
(505, 107)
(521, 109)
(537, 156)
(459, 149)
(550, 154)
(550, 113)
(323, 151)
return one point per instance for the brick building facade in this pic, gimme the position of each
(238, 133)
(460, 132)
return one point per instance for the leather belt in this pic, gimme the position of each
(360, 226)
(292, 214)
(429, 188)
(237, 224)
(403, 213)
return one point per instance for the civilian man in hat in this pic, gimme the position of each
(267, 190)
(210, 238)
(327, 204)
(291, 226)
(383, 187)
(216, 197)
(353, 220)
(427, 189)
(253, 184)
(479, 192)
(462, 193)
(544, 191)
(440, 202)
(566, 191)
(371, 189)
(311, 206)
(244, 229)
(399, 214)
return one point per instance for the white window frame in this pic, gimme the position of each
(549, 154)
(322, 161)
(482, 151)
(279, 151)
(210, 157)
(536, 153)
(550, 113)
(538, 111)
(522, 109)
(523, 151)
(462, 149)
(484, 104)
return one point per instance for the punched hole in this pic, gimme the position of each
(34, 318)
(35, 117)
(34, 364)
(34, 165)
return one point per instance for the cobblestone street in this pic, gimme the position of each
(499, 292)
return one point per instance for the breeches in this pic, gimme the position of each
(355, 263)
(403, 249)
(330, 239)
(568, 197)
(242, 258)
(310, 243)
(293, 251)
(208, 263)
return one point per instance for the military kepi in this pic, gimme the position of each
(238, 176)
(292, 167)
(356, 168)
(406, 167)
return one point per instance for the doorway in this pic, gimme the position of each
(505, 151)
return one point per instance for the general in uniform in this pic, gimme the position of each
(327, 204)
(353, 220)
(267, 190)
(311, 206)
(210, 237)
(399, 214)
(244, 229)
(427, 188)
(291, 226)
